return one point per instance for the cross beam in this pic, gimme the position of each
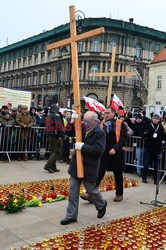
(72, 40)
(111, 74)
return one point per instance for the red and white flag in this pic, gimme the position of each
(94, 105)
(116, 102)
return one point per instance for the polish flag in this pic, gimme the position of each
(116, 102)
(94, 105)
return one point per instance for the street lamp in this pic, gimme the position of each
(64, 50)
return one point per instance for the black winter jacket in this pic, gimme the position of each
(94, 145)
(152, 144)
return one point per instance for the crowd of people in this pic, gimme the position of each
(105, 136)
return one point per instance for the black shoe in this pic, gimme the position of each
(50, 170)
(56, 170)
(144, 181)
(101, 212)
(67, 221)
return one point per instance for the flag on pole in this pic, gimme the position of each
(94, 105)
(116, 102)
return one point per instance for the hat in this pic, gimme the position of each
(14, 109)
(54, 108)
(24, 106)
(139, 116)
(156, 116)
(4, 107)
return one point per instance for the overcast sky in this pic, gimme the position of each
(21, 19)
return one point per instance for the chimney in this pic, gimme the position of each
(131, 20)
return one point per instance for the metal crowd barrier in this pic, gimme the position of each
(135, 147)
(17, 140)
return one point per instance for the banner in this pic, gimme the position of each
(15, 97)
(94, 105)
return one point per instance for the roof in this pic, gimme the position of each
(62, 32)
(161, 56)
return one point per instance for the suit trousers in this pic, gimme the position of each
(73, 199)
(118, 175)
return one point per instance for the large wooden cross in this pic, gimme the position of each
(72, 40)
(111, 74)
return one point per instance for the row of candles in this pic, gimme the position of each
(144, 231)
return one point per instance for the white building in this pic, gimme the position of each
(157, 80)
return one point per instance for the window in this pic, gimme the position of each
(23, 80)
(157, 47)
(28, 80)
(59, 74)
(4, 82)
(24, 62)
(14, 64)
(49, 56)
(36, 49)
(43, 47)
(9, 65)
(159, 82)
(48, 77)
(19, 63)
(4, 66)
(42, 57)
(34, 79)
(79, 72)
(158, 103)
(19, 54)
(18, 81)
(12, 81)
(8, 81)
(94, 69)
(36, 59)
(111, 45)
(138, 51)
(25, 52)
(41, 78)
(80, 46)
(95, 46)
(29, 60)
(30, 51)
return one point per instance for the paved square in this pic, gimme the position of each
(38, 223)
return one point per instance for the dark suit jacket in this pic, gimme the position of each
(94, 145)
(114, 162)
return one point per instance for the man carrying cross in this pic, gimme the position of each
(94, 141)
(92, 147)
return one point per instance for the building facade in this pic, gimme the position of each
(157, 80)
(28, 65)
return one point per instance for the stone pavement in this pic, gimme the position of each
(38, 223)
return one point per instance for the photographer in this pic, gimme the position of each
(154, 138)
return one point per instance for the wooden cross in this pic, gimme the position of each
(72, 40)
(111, 74)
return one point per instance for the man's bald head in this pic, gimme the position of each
(90, 115)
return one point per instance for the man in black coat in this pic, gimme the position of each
(92, 147)
(113, 156)
(154, 138)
